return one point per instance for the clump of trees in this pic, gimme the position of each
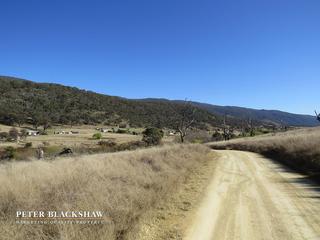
(216, 136)
(13, 135)
(152, 136)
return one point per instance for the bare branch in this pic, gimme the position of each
(317, 115)
(185, 118)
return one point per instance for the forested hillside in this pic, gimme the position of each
(42, 104)
(238, 115)
(264, 116)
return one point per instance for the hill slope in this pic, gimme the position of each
(268, 116)
(41, 103)
(237, 114)
(38, 103)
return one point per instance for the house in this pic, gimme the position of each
(32, 133)
(104, 130)
(66, 132)
(59, 132)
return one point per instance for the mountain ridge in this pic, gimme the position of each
(44, 103)
(25, 97)
(274, 116)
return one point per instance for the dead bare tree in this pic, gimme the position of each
(225, 128)
(251, 127)
(244, 128)
(317, 115)
(186, 118)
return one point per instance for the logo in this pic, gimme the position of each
(61, 217)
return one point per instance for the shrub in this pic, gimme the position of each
(97, 136)
(28, 145)
(13, 134)
(23, 133)
(197, 141)
(10, 152)
(52, 150)
(4, 135)
(122, 131)
(123, 125)
(107, 144)
(2, 154)
(216, 136)
(152, 136)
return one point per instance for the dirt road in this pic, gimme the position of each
(251, 197)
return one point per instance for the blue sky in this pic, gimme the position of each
(252, 53)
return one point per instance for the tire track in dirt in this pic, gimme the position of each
(252, 197)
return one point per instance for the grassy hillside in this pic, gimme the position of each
(40, 103)
(124, 185)
(298, 149)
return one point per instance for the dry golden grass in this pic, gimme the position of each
(299, 149)
(125, 185)
(83, 139)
